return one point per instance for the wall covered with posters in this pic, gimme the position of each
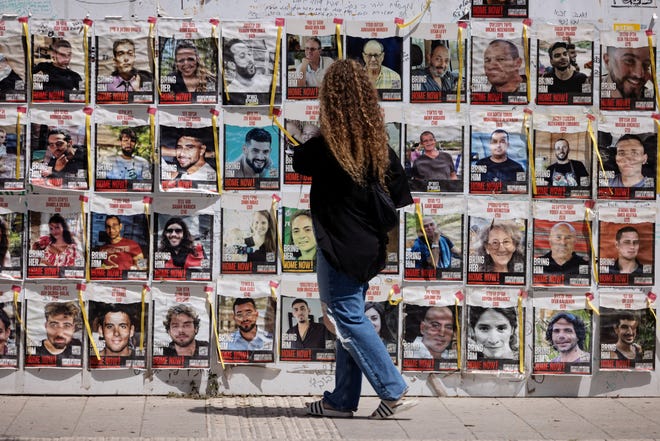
(154, 237)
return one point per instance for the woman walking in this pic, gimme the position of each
(351, 153)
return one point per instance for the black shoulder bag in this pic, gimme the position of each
(382, 207)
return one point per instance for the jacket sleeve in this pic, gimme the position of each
(397, 182)
(306, 157)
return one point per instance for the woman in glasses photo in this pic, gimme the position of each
(502, 247)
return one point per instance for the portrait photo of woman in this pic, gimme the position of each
(262, 242)
(497, 251)
(502, 247)
(494, 332)
(60, 248)
(375, 312)
(190, 70)
(250, 241)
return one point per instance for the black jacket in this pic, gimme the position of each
(344, 227)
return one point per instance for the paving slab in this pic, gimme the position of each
(168, 417)
(12, 407)
(615, 419)
(119, 416)
(52, 416)
(489, 419)
(238, 418)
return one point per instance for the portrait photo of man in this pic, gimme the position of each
(498, 73)
(58, 161)
(186, 158)
(116, 329)
(443, 250)
(255, 160)
(437, 75)
(566, 172)
(562, 75)
(433, 72)
(252, 157)
(626, 252)
(627, 337)
(118, 254)
(567, 334)
(312, 67)
(631, 159)
(627, 245)
(125, 76)
(435, 335)
(307, 333)
(382, 60)
(562, 258)
(182, 324)
(248, 336)
(63, 325)
(563, 338)
(432, 165)
(56, 74)
(248, 67)
(502, 63)
(626, 74)
(626, 333)
(127, 164)
(493, 164)
(382, 77)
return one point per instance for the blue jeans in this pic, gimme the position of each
(359, 348)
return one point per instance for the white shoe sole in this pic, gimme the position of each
(386, 410)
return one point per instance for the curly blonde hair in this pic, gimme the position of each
(352, 123)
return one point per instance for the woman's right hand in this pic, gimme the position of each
(42, 243)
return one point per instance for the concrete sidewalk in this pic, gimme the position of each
(282, 418)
